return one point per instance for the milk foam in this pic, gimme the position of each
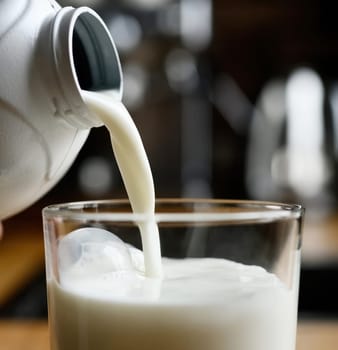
(185, 281)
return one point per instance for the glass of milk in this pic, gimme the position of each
(227, 277)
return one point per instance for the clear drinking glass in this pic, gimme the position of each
(230, 276)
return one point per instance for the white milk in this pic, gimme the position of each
(134, 168)
(197, 304)
(200, 304)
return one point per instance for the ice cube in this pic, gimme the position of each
(91, 251)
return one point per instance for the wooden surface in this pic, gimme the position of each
(317, 335)
(27, 335)
(33, 335)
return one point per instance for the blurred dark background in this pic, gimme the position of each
(199, 75)
(233, 99)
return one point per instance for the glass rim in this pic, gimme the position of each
(255, 210)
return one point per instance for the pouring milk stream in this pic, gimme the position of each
(135, 170)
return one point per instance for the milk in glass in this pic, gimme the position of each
(147, 302)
